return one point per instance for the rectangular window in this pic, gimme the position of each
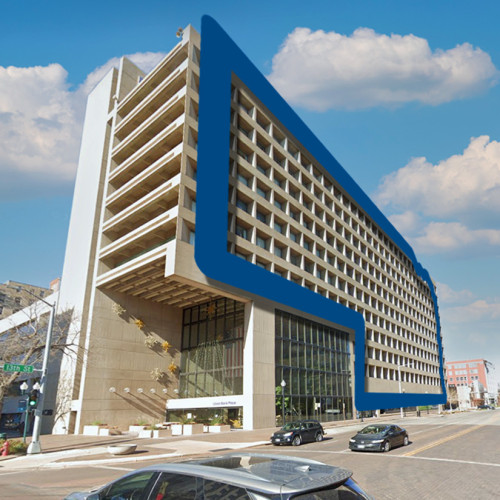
(212, 360)
(306, 360)
(262, 217)
(262, 243)
(242, 231)
(261, 192)
(242, 205)
(243, 179)
(191, 237)
(262, 170)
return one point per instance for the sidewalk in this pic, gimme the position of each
(78, 450)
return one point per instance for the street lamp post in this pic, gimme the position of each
(399, 380)
(34, 446)
(283, 385)
(24, 388)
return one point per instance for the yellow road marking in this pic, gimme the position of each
(441, 441)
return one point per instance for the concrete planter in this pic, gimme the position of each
(145, 433)
(190, 429)
(176, 429)
(93, 430)
(106, 431)
(121, 449)
(219, 428)
(161, 433)
(135, 428)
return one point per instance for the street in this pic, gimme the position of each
(449, 457)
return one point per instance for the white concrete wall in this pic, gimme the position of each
(79, 262)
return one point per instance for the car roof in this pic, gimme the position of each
(383, 427)
(261, 472)
(303, 421)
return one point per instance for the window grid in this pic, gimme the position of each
(381, 283)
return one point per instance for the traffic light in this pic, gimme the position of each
(33, 399)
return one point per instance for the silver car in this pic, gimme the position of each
(235, 476)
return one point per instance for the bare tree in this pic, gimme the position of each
(24, 343)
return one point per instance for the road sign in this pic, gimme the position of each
(9, 367)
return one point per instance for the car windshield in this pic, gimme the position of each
(292, 426)
(373, 429)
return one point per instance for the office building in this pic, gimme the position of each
(159, 339)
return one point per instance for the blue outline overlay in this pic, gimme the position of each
(220, 57)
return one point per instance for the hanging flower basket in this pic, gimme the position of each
(166, 345)
(150, 341)
(117, 309)
(139, 323)
(157, 374)
(172, 368)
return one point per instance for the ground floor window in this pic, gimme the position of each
(208, 416)
(313, 361)
(212, 349)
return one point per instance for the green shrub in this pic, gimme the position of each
(16, 446)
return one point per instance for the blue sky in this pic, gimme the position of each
(404, 94)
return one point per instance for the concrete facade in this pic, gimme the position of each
(13, 298)
(131, 276)
(476, 374)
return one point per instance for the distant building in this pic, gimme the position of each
(18, 308)
(13, 296)
(477, 374)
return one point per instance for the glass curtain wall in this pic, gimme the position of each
(313, 361)
(212, 349)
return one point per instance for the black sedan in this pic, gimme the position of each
(299, 432)
(485, 407)
(379, 438)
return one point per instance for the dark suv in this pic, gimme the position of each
(298, 432)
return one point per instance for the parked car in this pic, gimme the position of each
(240, 476)
(379, 438)
(298, 432)
(485, 407)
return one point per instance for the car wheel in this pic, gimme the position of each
(296, 441)
(319, 436)
(406, 441)
(387, 446)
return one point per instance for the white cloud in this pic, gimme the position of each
(321, 70)
(453, 237)
(463, 184)
(469, 325)
(448, 295)
(40, 126)
(479, 310)
(408, 222)
(39, 129)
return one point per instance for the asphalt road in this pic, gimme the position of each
(453, 457)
